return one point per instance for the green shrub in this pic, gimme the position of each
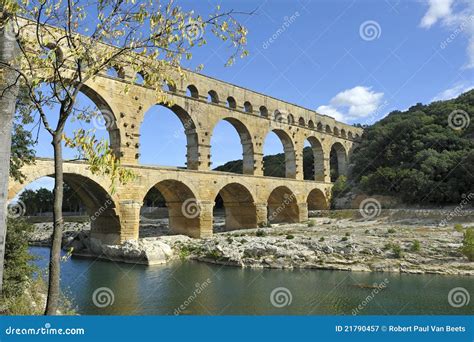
(321, 239)
(468, 244)
(18, 269)
(290, 237)
(348, 234)
(458, 227)
(415, 247)
(367, 231)
(397, 251)
(344, 238)
(311, 223)
(391, 230)
(260, 233)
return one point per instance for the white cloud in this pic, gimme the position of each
(454, 91)
(355, 103)
(438, 9)
(455, 15)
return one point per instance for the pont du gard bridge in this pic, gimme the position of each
(250, 199)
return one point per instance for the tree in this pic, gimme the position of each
(62, 48)
(420, 155)
(8, 94)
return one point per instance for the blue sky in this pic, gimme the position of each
(355, 61)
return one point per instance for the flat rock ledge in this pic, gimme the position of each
(324, 243)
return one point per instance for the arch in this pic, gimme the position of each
(100, 206)
(357, 136)
(192, 154)
(317, 159)
(212, 97)
(278, 116)
(338, 161)
(192, 91)
(140, 78)
(291, 119)
(350, 135)
(239, 207)
(183, 208)
(301, 121)
(169, 86)
(263, 111)
(336, 131)
(316, 200)
(246, 142)
(231, 103)
(248, 107)
(311, 124)
(116, 72)
(289, 154)
(319, 126)
(328, 129)
(110, 119)
(282, 206)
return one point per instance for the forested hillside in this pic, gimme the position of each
(421, 155)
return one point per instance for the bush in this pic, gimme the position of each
(468, 244)
(348, 234)
(458, 227)
(321, 239)
(391, 231)
(260, 233)
(290, 237)
(415, 247)
(397, 251)
(344, 238)
(18, 269)
(311, 223)
(367, 231)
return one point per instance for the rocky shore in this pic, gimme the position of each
(322, 243)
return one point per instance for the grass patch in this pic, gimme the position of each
(260, 233)
(290, 237)
(415, 247)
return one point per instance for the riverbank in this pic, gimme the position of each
(323, 243)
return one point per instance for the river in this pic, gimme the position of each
(203, 289)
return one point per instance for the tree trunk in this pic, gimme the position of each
(55, 255)
(7, 109)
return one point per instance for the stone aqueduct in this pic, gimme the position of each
(250, 199)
